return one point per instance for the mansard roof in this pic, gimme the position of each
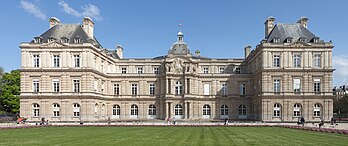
(70, 32)
(294, 31)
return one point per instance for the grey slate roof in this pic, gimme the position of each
(69, 31)
(294, 31)
(179, 48)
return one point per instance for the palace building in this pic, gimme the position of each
(67, 76)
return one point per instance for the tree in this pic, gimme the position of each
(1, 72)
(9, 91)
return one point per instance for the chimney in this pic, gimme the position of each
(54, 21)
(303, 21)
(119, 51)
(246, 51)
(269, 25)
(198, 53)
(88, 25)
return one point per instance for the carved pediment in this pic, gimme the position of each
(53, 44)
(298, 45)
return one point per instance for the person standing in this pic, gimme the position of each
(302, 121)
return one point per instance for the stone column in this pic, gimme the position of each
(213, 110)
(187, 110)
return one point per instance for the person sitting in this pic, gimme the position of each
(321, 124)
(42, 121)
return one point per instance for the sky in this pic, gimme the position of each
(147, 28)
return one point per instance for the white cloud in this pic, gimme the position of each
(69, 10)
(340, 63)
(91, 11)
(33, 9)
(87, 11)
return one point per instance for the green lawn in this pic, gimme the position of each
(172, 136)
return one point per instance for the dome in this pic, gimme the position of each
(180, 33)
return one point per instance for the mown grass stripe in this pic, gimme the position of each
(168, 136)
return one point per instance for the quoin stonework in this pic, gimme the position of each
(66, 75)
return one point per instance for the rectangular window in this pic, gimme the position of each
(76, 114)
(242, 89)
(237, 70)
(55, 85)
(205, 70)
(76, 60)
(316, 85)
(206, 89)
(297, 60)
(76, 85)
(123, 70)
(140, 70)
(55, 113)
(224, 89)
(56, 59)
(297, 85)
(36, 86)
(36, 60)
(222, 70)
(276, 61)
(276, 86)
(152, 89)
(116, 89)
(156, 70)
(317, 60)
(134, 89)
(36, 112)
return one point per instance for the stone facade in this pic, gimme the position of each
(66, 75)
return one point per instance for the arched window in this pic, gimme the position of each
(317, 109)
(242, 110)
(178, 109)
(276, 110)
(55, 109)
(36, 110)
(76, 109)
(297, 110)
(116, 110)
(224, 110)
(152, 110)
(134, 109)
(178, 88)
(206, 109)
(96, 109)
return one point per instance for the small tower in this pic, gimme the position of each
(180, 36)
(54, 21)
(269, 25)
(303, 21)
(119, 51)
(88, 26)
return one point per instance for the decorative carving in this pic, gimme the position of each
(177, 66)
(53, 44)
(194, 68)
(298, 45)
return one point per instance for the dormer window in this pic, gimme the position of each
(288, 40)
(315, 40)
(77, 40)
(51, 39)
(64, 40)
(302, 39)
(37, 40)
(276, 40)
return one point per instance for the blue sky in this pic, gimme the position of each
(218, 29)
